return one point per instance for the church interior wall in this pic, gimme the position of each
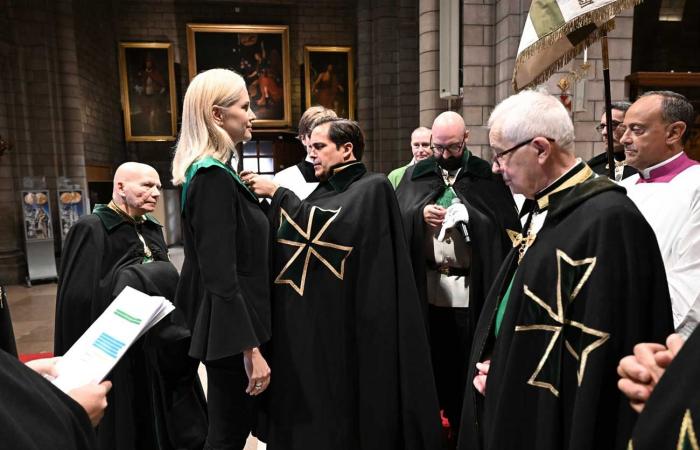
(60, 103)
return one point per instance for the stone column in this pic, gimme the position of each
(429, 61)
(478, 70)
(387, 105)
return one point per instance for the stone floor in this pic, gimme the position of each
(33, 311)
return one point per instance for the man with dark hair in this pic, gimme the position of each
(344, 134)
(440, 198)
(599, 163)
(349, 349)
(300, 178)
(667, 192)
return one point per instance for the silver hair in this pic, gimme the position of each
(531, 113)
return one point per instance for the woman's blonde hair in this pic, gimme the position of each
(200, 136)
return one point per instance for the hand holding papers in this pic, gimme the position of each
(99, 349)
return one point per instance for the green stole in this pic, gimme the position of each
(209, 161)
(578, 174)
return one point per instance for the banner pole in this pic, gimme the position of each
(608, 108)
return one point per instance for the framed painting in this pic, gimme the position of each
(147, 80)
(329, 79)
(259, 53)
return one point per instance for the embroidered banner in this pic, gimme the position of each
(556, 31)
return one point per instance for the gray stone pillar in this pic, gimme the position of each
(387, 59)
(429, 61)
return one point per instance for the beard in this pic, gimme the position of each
(451, 163)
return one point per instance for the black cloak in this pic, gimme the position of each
(224, 289)
(349, 356)
(97, 247)
(670, 419)
(156, 401)
(491, 209)
(590, 287)
(7, 335)
(599, 165)
(37, 415)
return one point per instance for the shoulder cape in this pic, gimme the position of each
(580, 300)
(210, 161)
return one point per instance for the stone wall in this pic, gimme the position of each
(98, 75)
(40, 114)
(387, 80)
(491, 32)
(327, 22)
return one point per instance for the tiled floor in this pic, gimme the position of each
(33, 311)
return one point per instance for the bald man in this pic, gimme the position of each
(455, 214)
(120, 244)
(420, 147)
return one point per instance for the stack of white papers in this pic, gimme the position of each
(99, 349)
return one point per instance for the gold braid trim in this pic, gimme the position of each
(598, 15)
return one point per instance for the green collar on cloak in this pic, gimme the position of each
(210, 161)
(111, 219)
(474, 166)
(345, 174)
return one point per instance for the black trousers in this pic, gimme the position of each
(451, 333)
(231, 412)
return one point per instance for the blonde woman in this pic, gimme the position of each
(223, 290)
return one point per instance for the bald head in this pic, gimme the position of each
(136, 188)
(449, 136)
(449, 125)
(420, 144)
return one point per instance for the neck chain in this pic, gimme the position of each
(147, 253)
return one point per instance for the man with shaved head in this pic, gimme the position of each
(456, 214)
(120, 244)
(120, 233)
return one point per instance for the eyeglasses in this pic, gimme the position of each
(600, 126)
(636, 129)
(452, 148)
(500, 155)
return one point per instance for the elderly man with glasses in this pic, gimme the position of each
(583, 283)
(456, 214)
(599, 163)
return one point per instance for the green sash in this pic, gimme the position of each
(502, 307)
(208, 162)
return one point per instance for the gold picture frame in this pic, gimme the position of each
(329, 79)
(259, 53)
(147, 84)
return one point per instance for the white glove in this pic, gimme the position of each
(456, 212)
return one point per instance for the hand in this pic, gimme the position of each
(635, 382)
(45, 367)
(642, 371)
(454, 214)
(259, 184)
(674, 343)
(434, 215)
(93, 398)
(480, 378)
(257, 370)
